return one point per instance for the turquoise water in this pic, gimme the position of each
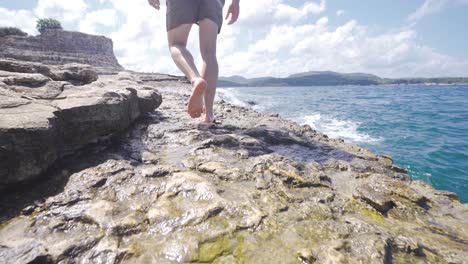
(424, 128)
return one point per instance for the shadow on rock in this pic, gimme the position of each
(24, 198)
(265, 140)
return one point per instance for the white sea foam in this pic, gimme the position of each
(336, 128)
(230, 95)
(333, 127)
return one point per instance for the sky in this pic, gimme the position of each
(390, 38)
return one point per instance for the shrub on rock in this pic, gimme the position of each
(45, 24)
(11, 31)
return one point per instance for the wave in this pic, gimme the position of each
(336, 128)
(231, 96)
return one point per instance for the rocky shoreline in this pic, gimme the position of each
(164, 188)
(103, 165)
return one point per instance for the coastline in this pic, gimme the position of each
(413, 125)
(255, 188)
(357, 85)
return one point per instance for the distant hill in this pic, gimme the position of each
(329, 78)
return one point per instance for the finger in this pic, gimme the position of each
(227, 15)
(233, 19)
(234, 16)
(154, 3)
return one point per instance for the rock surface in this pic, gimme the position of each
(255, 189)
(47, 112)
(61, 47)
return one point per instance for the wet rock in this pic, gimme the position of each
(219, 169)
(399, 170)
(148, 157)
(264, 180)
(187, 199)
(106, 251)
(379, 201)
(114, 217)
(30, 251)
(15, 246)
(221, 141)
(386, 160)
(157, 171)
(339, 165)
(274, 137)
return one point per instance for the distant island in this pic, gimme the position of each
(329, 78)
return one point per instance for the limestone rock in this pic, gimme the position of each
(72, 72)
(42, 119)
(61, 47)
(27, 79)
(75, 73)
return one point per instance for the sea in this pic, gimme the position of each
(423, 127)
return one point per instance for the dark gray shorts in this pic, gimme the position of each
(191, 11)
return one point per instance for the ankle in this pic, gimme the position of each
(196, 78)
(209, 115)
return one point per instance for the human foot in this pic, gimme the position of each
(210, 119)
(195, 103)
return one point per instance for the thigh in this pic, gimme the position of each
(213, 10)
(179, 35)
(208, 38)
(181, 12)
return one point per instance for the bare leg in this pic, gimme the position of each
(177, 39)
(208, 37)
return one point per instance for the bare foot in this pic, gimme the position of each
(210, 119)
(195, 103)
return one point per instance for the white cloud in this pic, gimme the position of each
(340, 12)
(427, 8)
(64, 11)
(23, 19)
(271, 37)
(102, 17)
(430, 7)
(290, 49)
(140, 41)
(260, 13)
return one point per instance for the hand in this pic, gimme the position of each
(154, 3)
(233, 11)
